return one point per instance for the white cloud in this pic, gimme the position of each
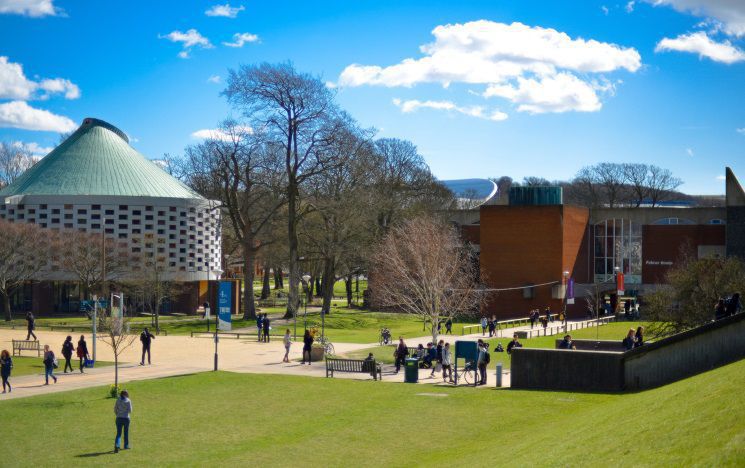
(214, 79)
(34, 148)
(239, 39)
(473, 111)
(15, 85)
(559, 93)
(188, 39)
(630, 6)
(60, 85)
(731, 13)
(741, 131)
(225, 11)
(18, 114)
(498, 54)
(689, 151)
(33, 8)
(488, 52)
(721, 177)
(219, 134)
(604, 9)
(700, 43)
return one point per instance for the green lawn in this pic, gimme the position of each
(28, 365)
(338, 422)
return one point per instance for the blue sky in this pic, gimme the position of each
(514, 88)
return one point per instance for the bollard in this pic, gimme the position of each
(499, 374)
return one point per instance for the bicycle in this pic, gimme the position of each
(467, 373)
(385, 337)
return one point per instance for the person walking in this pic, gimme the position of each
(287, 341)
(82, 352)
(146, 338)
(484, 324)
(449, 326)
(122, 410)
(259, 328)
(67, 349)
(265, 324)
(50, 362)
(400, 353)
(30, 326)
(492, 327)
(549, 317)
(307, 345)
(447, 364)
(733, 305)
(6, 365)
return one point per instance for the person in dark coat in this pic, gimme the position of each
(265, 324)
(30, 326)
(720, 310)
(6, 365)
(733, 305)
(513, 344)
(307, 345)
(82, 352)
(628, 342)
(639, 337)
(49, 361)
(146, 338)
(67, 349)
(400, 353)
(449, 326)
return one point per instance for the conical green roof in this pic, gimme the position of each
(97, 160)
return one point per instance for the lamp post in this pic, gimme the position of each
(217, 273)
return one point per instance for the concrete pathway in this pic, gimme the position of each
(181, 355)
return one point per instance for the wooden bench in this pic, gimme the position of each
(25, 345)
(358, 366)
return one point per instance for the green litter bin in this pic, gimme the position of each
(411, 370)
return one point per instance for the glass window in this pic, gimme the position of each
(618, 244)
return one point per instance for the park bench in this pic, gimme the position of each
(25, 345)
(358, 366)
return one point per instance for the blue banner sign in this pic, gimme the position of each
(224, 305)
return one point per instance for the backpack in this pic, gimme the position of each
(487, 357)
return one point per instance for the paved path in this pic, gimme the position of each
(180, 355)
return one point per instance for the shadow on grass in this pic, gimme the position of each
(94, 454)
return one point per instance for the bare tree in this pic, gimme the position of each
(114, 331)
(23, 254)
(661, 183)
(636, 177)
(244, 172)
(423, 268)
(15, 159)
(90, 257)
(297, 113)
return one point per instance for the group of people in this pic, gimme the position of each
(50, 360)
(263, 325)
(634, 339)
(489, 324)
(439, 358)
(548, 317)
(726, 307)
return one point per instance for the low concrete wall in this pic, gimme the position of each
(559, 369)
(659, 363)
(596, 345)
(679, 356)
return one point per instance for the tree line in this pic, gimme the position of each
(610, 185)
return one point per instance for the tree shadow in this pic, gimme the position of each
(94, 454)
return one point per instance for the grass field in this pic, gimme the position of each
(612, 331)
(339, 422)
(27, 365)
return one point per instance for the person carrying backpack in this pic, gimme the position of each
(50, 362)
(483, 361)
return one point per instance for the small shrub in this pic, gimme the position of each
(114, 390)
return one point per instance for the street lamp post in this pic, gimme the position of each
(306, 287)
(217, 272)
(565, 276)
